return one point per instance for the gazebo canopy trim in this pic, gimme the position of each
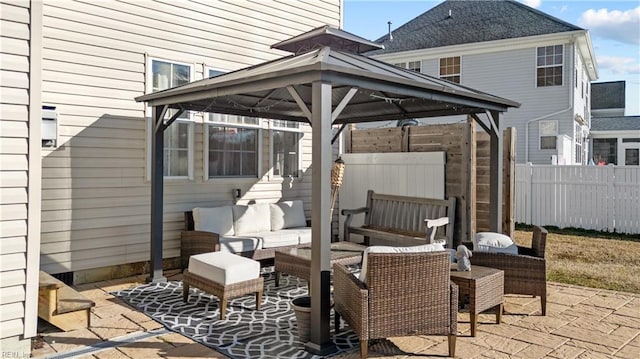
(385, 92)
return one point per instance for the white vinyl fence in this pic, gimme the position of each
(605, 198)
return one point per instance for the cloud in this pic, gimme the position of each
(619, 65)
(532, 3)
(615, 24)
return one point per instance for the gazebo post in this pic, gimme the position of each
(495, 170)
(320, 341)
(157, 203)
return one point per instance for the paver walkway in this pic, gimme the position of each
(580, 323)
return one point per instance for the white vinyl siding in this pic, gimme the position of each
(96, 199)
(19, 159)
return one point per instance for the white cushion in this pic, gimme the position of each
(224, 268)
(250, 219)
(283, 237)
(304, 235)
(434, 247)
(287, 214)
(494, 242)
(216, 219)
(234, 244)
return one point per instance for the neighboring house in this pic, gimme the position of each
(511, 50)
(615, 138)
(75, 200)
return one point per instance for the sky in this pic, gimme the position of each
(614, 27)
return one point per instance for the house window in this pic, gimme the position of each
(605, 151)
(411, 65)
(450, 68)
(549, 66)
(415, 66)
(548, 134)
(232, 147)
(232, 144)
(286, 140)
(579, 140)
(178, 138)
(631, 157)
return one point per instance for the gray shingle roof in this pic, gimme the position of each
(625, 123)
(607, 95)
(471, 21)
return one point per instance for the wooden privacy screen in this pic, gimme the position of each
(467, 166)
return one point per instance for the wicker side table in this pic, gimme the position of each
(485, 288)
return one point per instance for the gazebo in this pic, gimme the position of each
(325, 82)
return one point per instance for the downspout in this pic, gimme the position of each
(571, 91)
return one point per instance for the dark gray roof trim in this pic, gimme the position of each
(471, 21)
(625, 123)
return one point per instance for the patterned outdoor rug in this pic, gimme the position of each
(245, 333)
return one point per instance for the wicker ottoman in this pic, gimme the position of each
(225, 275)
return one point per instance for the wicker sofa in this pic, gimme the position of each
(253, 231)
(405, 294)
(525, 272)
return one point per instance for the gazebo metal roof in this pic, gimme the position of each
(325, 82)
(274, 89)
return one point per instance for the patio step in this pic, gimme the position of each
(61, 305)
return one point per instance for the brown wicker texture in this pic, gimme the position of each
(406, 294)
(223, 292)
(196, 242)
(525, 272)
(485, 288)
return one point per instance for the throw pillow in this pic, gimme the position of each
(287, 214)
(434, 247)
(494, 242)
(253, 218)
(214, 219)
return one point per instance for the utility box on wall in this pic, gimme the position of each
(49, 126)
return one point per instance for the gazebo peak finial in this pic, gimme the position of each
(327, 35)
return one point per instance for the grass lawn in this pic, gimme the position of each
(590, 259)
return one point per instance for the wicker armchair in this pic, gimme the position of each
(525, 272)
(405, 294)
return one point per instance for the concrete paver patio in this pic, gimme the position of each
(580, 323)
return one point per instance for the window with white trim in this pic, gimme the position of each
(178, 138)
(415, 66)
(411, 65)
(548, 134)
(549, 65)
(286, 140)
(579, 140)
(450, 68)
(231, 144)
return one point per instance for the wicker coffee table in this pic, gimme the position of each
(297, 261)
(485, 288)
